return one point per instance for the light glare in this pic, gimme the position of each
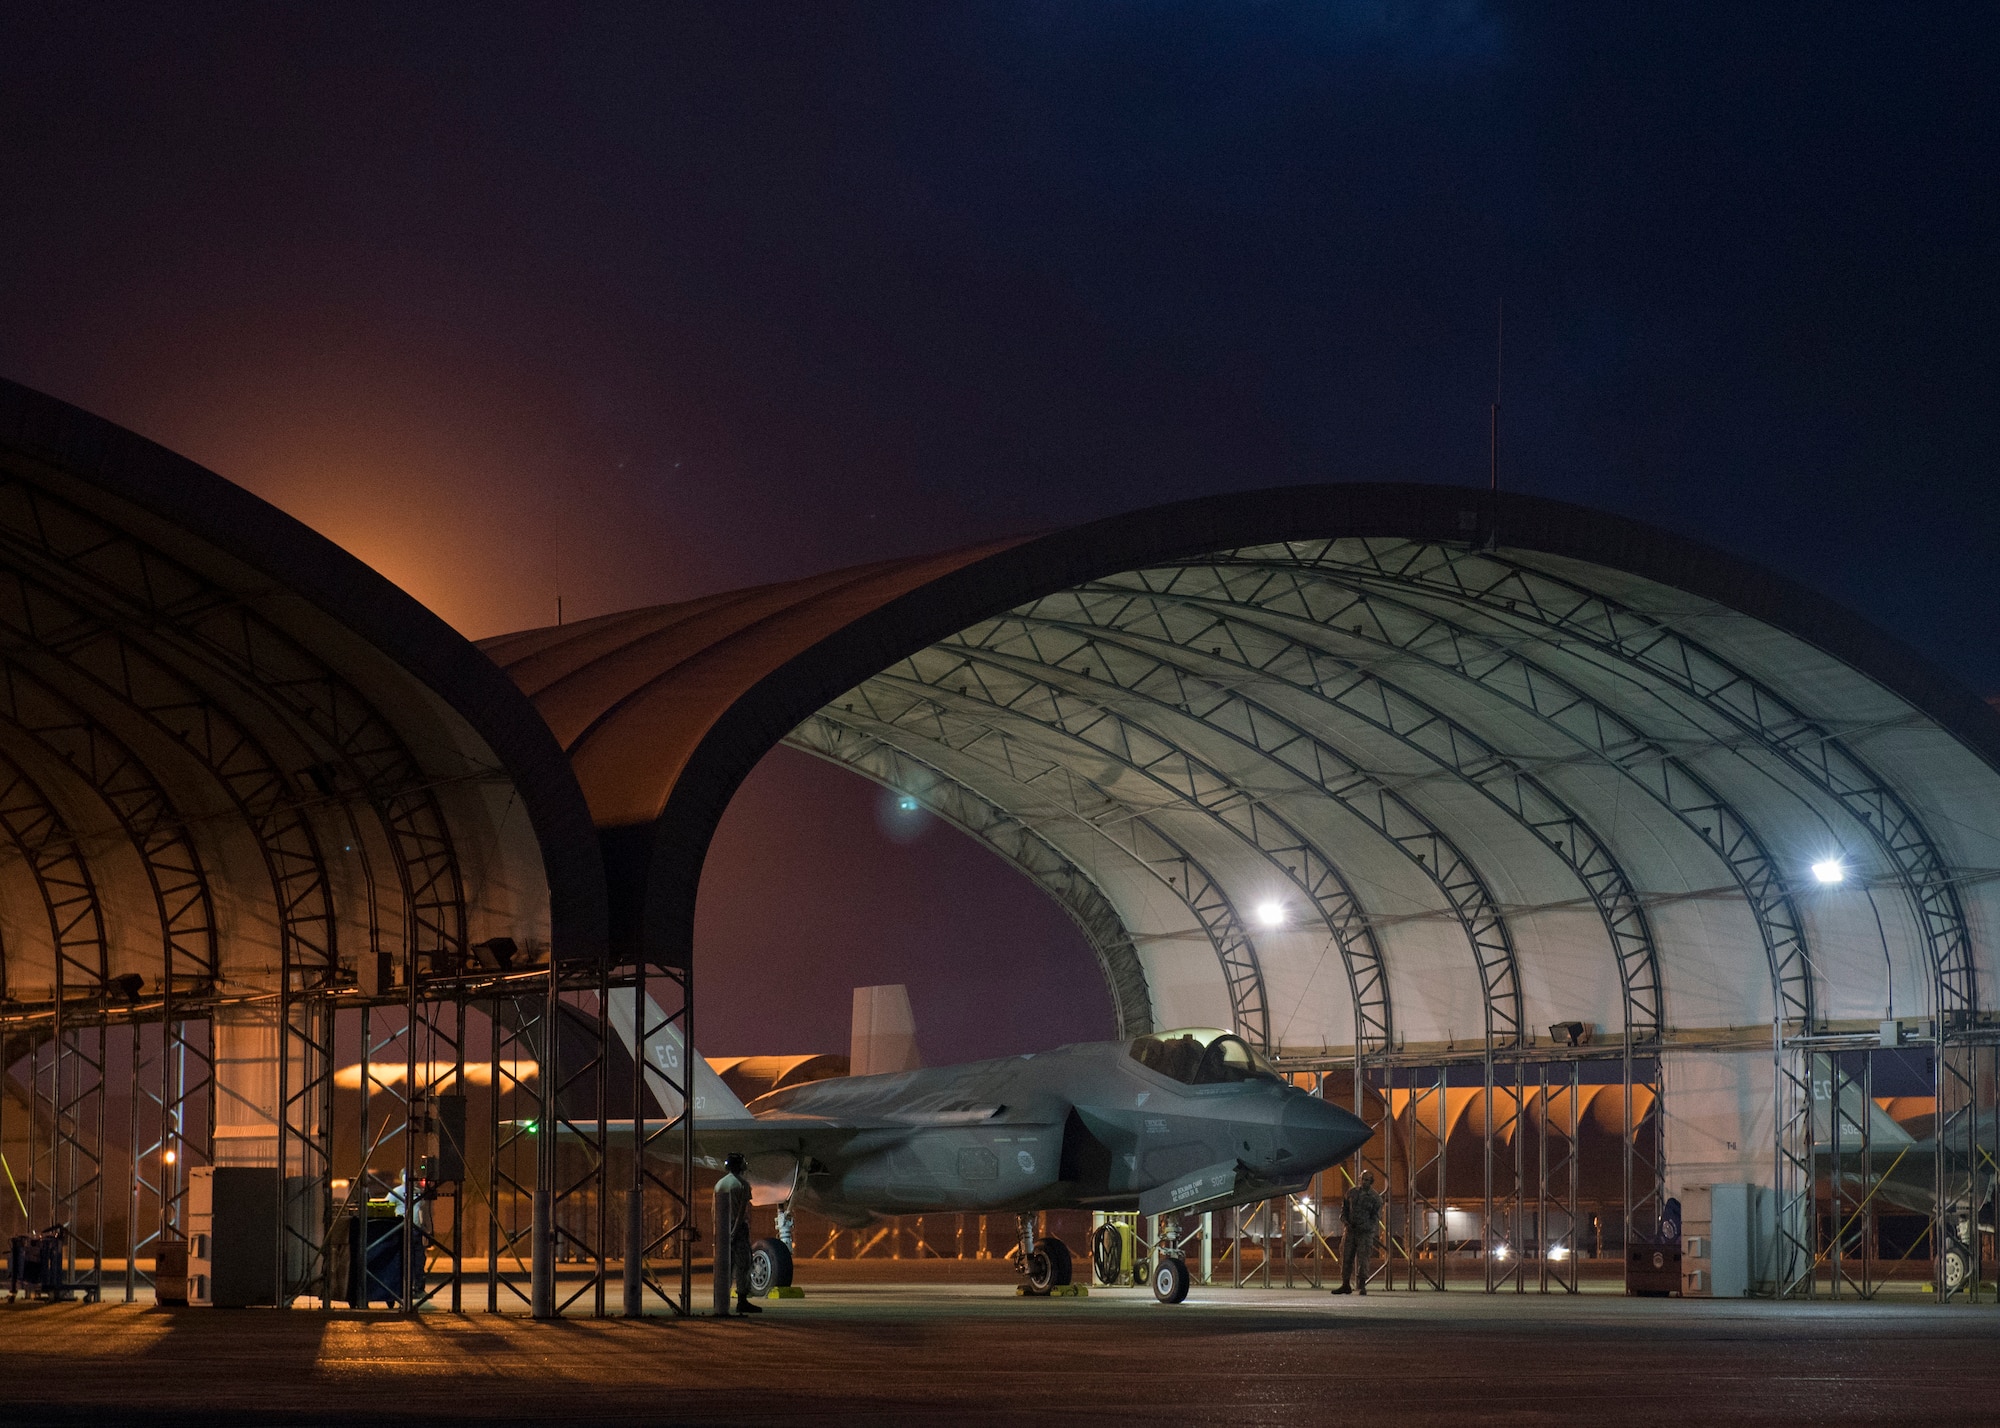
(1829, 870)
(1271, 914)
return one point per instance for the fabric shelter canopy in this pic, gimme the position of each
(1378, 766)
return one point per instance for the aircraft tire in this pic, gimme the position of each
(1170, 1279)
(770, 1266)
(1049, 1265)
(1956, 1264)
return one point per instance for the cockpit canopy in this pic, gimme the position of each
(1203, 1056)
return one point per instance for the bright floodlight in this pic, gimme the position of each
(1271, 914)
(1829, 870)
(1499, 1251)
(907, 804)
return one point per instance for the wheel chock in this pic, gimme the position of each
(785, 1291)
(1055, 1291)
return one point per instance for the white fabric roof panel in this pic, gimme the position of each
(1361, 714)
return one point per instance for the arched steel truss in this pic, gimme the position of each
(1525, 597)
(1274, 838)
(1313, 606)
(140, 586)
(1142, 625)
(83, 598)
(66, 1166)
(1079, 702)
(48, 847)
(39, 624)
(153, 825)
(959, 739)
(1010, 838)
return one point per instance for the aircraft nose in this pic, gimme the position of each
(1320, 1133)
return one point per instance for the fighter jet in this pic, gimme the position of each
(1900, 1169)
(1173, 1123)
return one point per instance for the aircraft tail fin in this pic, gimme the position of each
(883, 1035)
(1855, 1109)
(666, 1056)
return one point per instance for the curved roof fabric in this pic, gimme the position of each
(228, 748)
(1389, 765)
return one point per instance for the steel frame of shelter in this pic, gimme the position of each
(1192, 679)
(99, 627)
(1105, 666)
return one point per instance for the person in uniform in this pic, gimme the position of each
(732, 1237)
(1361, 1214)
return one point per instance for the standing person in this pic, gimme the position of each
(1361, 1214)
(732, 1238)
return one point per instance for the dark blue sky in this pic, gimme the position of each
(680, 298)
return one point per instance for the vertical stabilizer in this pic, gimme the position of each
(884, 1034)
(666, 1055)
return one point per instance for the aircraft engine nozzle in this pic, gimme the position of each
(1318, 1133)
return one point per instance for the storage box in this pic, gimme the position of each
(170, 1272)
(1653, 1269)
(232, 1236)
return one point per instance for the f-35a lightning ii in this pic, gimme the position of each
(1868, 1154)
(1173, 1123)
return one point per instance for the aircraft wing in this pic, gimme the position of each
(749, 1135)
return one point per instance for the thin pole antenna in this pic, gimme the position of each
(555, 526)
(1499, 357)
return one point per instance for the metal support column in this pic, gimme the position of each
(1961, 1175)
(1793, 1270)
(1425, 1233)
(1503, 1245)
(662, 1169)
(1851, 1180)
(1557, 1176)
(1645, 1145)
(66, 1175)
(1375, 1107)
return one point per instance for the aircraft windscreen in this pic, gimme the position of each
(1203, 1057)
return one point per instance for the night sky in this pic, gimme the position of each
(674, 299)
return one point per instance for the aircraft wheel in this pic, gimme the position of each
(1170, 1279)
(1048, 1266)
(1956, 1263)
(770, 1266)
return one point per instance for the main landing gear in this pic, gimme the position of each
(771, 1260)
(770, 1267)
(1044, 1260)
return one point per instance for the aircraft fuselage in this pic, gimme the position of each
(1079, 1127)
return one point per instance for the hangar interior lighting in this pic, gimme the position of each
(1271, 914)
(906, 804)
(1499, 1251)
(1558, 1253)
(1829, 870)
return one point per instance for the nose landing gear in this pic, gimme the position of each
(1170, 1271)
